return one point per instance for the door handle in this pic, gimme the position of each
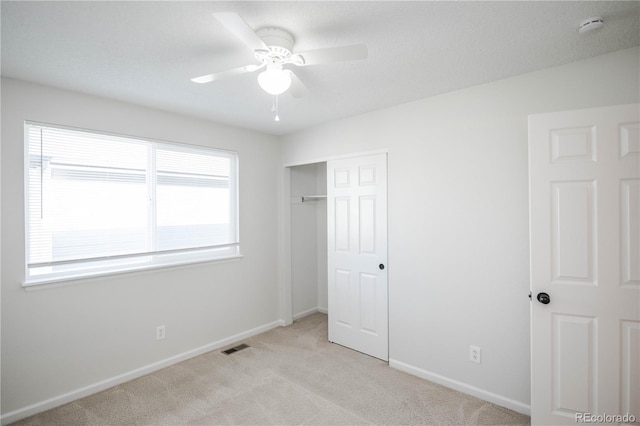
(543, 298)
(381, 266)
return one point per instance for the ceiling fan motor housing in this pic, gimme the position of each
(279, 41)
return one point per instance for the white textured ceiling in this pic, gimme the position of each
(146, 52)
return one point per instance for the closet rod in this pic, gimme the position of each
(312, 197)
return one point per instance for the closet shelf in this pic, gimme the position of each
(313, 197)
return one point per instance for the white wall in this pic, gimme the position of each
(58, 340)
(458, 216)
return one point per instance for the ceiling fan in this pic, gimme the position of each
(273, 49)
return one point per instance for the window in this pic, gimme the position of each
(99, 203)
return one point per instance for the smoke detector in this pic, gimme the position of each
(590, 24)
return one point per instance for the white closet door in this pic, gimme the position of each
(585, 265)
(357, 254)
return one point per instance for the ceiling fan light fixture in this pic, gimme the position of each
(274, 80)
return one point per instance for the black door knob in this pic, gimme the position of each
(543, 298)
(381, 266)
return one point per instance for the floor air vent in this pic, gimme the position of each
(235, 349)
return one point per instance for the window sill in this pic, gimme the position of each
(59, 281)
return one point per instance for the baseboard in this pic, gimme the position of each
(39, 407)
(309, 312)
(463, 387)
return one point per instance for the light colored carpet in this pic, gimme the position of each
(288, 376)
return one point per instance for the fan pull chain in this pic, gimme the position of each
(275, 100)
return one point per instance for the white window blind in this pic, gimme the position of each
(99, 203)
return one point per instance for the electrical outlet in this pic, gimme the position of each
(475, 354)
(160, 332)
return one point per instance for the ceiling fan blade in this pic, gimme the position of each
(297, 89)
(224, 74)
(235, 24)
(333, 54)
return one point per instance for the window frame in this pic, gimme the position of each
(110, 265)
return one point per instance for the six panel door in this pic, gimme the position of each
(585, 254)
(357, 254)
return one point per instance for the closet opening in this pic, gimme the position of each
(308, 239)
